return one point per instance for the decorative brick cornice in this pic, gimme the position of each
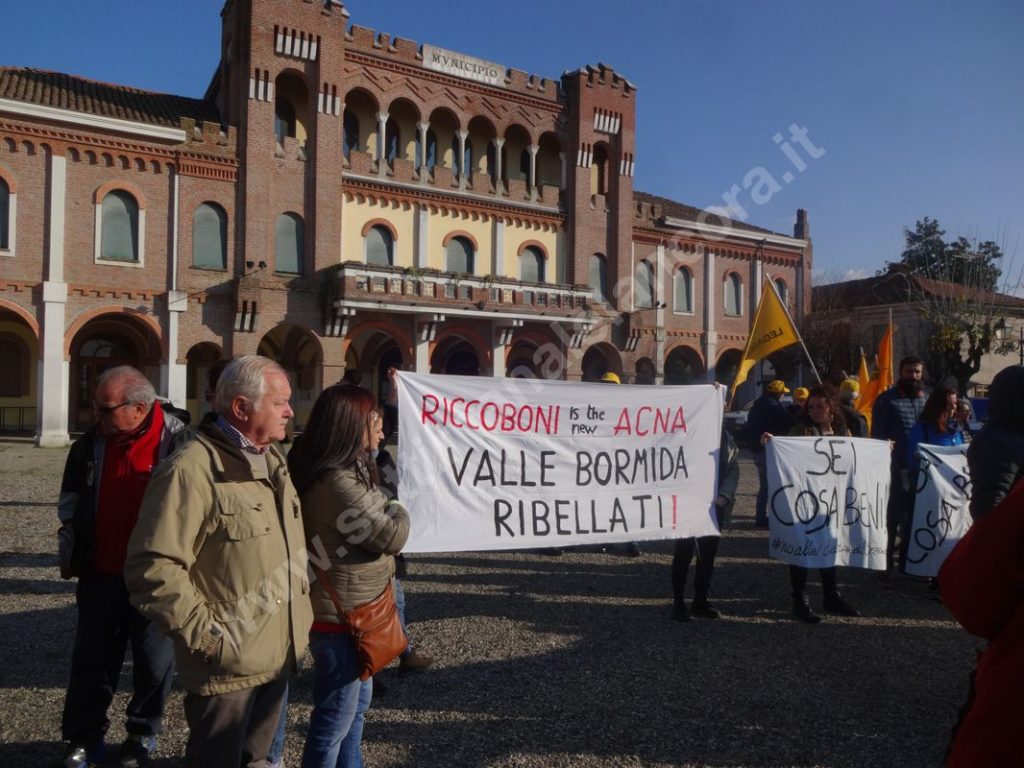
(462, 205)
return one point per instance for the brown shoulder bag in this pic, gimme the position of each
(374, 626)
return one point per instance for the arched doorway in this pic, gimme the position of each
(598, 360)
(106, 342)
(727, 366)
(297, 351)
(18, 345)
(683, 366)
(520, 361)
(198, 362)
(455, 357)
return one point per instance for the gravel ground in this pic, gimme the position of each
(558, 661)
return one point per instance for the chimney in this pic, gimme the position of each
(802, 228)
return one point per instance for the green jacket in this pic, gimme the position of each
(354, 531)
(218, 560)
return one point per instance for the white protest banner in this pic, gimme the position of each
(941, 514)
(522, 463)
(826, 501)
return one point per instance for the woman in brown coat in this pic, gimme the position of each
(353, 532)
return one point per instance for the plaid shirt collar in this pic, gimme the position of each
(238, 438)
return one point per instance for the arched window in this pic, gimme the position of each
(284, 119)
(492, 161)
(643, 285)
(210, 237)
(531, 265)
(431, 157)
(288, 244)
(5, 215)
(456, 168)
(780, 286)
(733, 294)
(349, 133)
(599, 277)
(459, 255)
(524, 164)
(599, 171)
(392, 140)
(119, 238)
(380, 247)
(682, 291)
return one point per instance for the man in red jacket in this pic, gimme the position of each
(105, 477)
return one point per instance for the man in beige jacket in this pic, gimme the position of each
(218, 560)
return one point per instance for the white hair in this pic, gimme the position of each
(245, 376)
(137, 388)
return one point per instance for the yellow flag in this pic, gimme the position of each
(868, 389)
(772, 330)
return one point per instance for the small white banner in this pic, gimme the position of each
(941, 507)
(827, 498)
(522, 463)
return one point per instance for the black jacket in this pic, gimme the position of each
(79, 490)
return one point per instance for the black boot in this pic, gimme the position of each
(802, 610)
(835, 603)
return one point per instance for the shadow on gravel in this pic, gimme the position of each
(29, 560)
(611, 679)
(37, 647)
(34, 504)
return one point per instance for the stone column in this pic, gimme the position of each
(53, 379)
(382, 127)
(710, 312)
(422, 159)
(533, 171)
(463, 135)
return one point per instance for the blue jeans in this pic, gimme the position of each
(340, 702)
(399, 593)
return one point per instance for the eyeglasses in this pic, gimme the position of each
(106, 410)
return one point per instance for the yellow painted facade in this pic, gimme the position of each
(355, 215)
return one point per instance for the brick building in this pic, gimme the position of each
(340, 199)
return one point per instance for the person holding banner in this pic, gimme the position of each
(352, 532)
(822, 416)
(892, 417)
(935, 427)
(768, 414)
(706, 547)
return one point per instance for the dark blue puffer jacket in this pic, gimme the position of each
(893, 415)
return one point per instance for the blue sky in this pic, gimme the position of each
(913, 108)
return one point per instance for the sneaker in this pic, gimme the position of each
(681, 613)
(705, 611)
(803, 611)
(413, 661)
(136, 751)
(836, 604)
(79, 756)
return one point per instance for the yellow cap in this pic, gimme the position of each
(801, 393)
(850, 385)
(777, 387)
(610, 378)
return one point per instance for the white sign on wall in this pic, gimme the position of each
(827, 499)
(522, 463)
(460, 65)
(941, 507)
